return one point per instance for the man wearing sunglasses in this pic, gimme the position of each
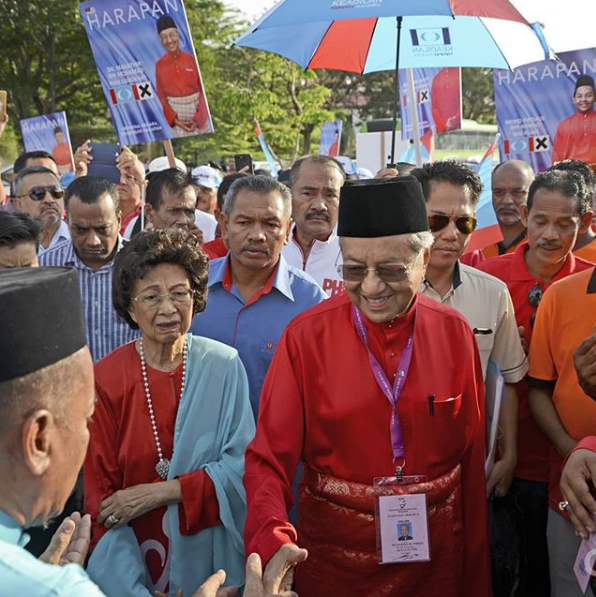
(37, 192)
(452, 190)
(557, 211)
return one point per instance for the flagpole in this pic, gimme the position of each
(414, 116)
(395, 94)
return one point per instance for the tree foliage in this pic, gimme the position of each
(46, 65)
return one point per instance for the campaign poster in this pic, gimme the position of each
(545, 110)
(438, 101)
(148, 69)
(330, 138)
(49, 133)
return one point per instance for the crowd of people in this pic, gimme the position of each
(283, 385)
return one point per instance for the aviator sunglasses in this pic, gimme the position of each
(38, 193)
(465, 224)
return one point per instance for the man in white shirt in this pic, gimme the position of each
(452, 190)
(314, 247)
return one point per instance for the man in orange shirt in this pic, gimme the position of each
(560, 407)
(585, 245)
(61, 152)
(511, 182)
(179, 85)
(575, 135)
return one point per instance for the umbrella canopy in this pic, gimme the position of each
(361, 35)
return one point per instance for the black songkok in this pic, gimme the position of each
(584, 81)
(41, 319)
(382, 207)
(165, 22)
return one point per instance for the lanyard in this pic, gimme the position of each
(393, 394)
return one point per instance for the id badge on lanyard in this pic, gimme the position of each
(400, 503)
(401, 520)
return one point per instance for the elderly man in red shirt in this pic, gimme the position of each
(179, 86)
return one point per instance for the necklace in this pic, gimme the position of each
(163, 465)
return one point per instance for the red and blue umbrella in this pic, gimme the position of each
(365, 36)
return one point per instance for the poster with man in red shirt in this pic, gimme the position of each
(49, 132)
(148, 68)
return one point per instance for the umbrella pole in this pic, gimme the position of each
(395, 94)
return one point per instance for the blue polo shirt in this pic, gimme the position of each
(253, 328)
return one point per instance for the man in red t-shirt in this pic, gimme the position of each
(556, 211)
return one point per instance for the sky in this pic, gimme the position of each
(251, 8)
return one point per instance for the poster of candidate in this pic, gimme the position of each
(438, 101)
(545, 110)
(49, 133)
(148, 69)
(330, 138)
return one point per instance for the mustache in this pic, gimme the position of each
(252, 247)
(318, 215)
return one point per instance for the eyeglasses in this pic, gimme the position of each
(517, 193)
(151, 300)
(534, 297)
(465, 224)
(387, 273)
(38, 193)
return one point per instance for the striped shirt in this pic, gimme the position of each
(105, 332)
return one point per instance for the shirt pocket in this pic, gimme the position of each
(485, 343)
(447, 407)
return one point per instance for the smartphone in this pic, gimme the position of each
(3, 101)
(242, 160)
(104, 161)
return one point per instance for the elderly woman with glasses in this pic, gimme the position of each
(163, 475)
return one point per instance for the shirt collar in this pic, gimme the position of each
(520, 271)
(457, 281)
(331, 239)
(73, 259)
(220, 273)
(11, 531)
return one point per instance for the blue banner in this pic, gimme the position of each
(437, 94)
(148, 69)
(49, 133)
(545, 111)
(330, 138)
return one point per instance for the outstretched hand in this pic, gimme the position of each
(70, 542)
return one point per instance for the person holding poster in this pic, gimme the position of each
(61, 152)
(178, 84)
(575, 135)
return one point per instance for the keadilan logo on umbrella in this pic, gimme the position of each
(431, 41)
(356, 3)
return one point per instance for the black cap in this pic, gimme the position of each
(42, 319)
(584, 81)
(165, 22)
(382, 207)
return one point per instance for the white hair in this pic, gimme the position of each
(421, 241)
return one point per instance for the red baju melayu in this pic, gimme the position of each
(122, 454)
(321, 404)
(576, 138)
(178, 77)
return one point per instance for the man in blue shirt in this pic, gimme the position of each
(253, 292)
(93, 210)
(46, 399)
